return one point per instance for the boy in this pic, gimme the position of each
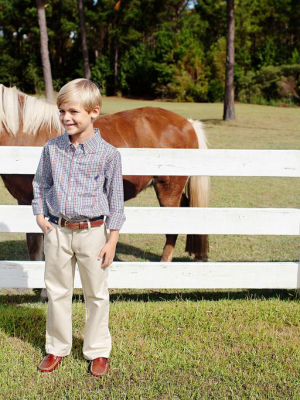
(78, 182)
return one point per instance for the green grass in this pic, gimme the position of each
(255, 127)
(169, 344)
(165, 346)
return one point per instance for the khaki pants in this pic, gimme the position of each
(63, 248)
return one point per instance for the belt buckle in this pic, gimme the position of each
(79, 223)
(67, 224)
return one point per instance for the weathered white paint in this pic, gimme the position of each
(285, 163)
(280, 163)
(156, 275)
(154, 220)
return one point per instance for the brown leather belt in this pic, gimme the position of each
(80, 224)
(77, 225)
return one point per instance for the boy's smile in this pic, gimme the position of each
(78, 122)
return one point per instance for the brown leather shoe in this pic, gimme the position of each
(99, 366)
(50, 363)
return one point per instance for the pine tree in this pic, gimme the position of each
(86, 63)
(44, 50)
(229, 78)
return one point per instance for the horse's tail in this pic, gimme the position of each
(197, 192)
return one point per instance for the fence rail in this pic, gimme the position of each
(156, 220)
(178, 162)
(143, 220)
(179, 275)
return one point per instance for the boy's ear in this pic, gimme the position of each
(95, 112)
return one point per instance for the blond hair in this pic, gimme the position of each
(80, 90)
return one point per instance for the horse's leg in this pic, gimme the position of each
(35, 246)
(35, 241)
(169, 191)
(20, 187)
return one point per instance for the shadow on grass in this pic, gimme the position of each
(136, 252)
(233, 125)
(152, 295)
(212, 121)
(144, 255)
(208, 295)
(12, 250)
(25, 323)
(29, 323)
(220, 121)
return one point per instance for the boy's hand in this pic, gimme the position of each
(109, 249)
(43, 223)
(107, 253)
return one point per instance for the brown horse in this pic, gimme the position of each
(27, 121)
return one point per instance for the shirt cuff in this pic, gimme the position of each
(115, 221)
(40, 209)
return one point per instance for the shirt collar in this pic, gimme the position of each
(90, 145)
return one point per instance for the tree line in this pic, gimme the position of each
(168, 49)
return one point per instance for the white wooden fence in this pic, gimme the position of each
(142, 220)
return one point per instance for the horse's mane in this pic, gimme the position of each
(17, 110)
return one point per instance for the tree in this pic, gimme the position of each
(229, 78)
(45, 51)
(86, 64)
(175, 49)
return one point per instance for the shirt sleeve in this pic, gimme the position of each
(42, 183)
(115, 193)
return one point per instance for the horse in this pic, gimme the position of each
(28, 121)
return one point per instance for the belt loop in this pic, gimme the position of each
(59, 222)
(89, 224)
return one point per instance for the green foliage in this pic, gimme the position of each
(137, 72)
(8, 68)
(101, 72)
(184, 88)
(34, 78)
(295, 59)
(271, 85)
(168, 49)
(215, 91)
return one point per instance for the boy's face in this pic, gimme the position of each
(76, 120)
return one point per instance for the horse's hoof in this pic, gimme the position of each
(44, 296)
(200, 259)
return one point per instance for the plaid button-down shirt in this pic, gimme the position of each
(82, 182)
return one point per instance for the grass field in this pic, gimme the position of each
(178, 344)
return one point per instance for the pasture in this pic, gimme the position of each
(170, 344)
